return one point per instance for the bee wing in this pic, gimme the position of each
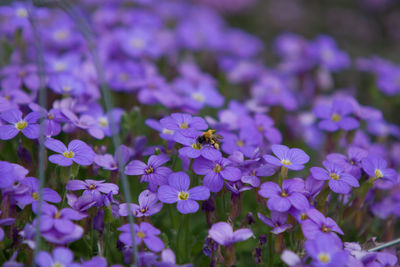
(218, 136)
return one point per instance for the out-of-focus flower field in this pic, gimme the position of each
(199, 133)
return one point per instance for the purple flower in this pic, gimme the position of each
(56, 225)
(60, 257)
(317, 224)
(277, 222)
(325, 251)
(28, 125)
(165, 133)
(339, 181)
(351, 163)
(152, 172)
(103, 120)
(281, 199)
(144, 233)
(336, 117)
(192, 149)
(328, 54)
(216, 172)
(77, 151)
(178, 191)
(223, 234)
(247, 142)
(31, 196)
(273, 89)
(65, 83)
(291, 158)
(109, 162)
(181, 122)
(148, 205)
(376, 167)
(93, 188)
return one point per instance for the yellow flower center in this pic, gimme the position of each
(59, 66)
(143, 210)
(67, 88)
(123, 77)
(197, 146)
(61, 35)
(103, 121)
(183, 195)
(92, 186)
(35, 195)
(217, 168)
(166, 131)
(284, 194)
(325, 229)
(240, 143)
(253, 173)
(260, 129)
(141, 234)
(334, 176)
(57, 215)
(323, 257)
(149, 170)
(198, 97)
(137, 43)
(21, 125)
(22, 12)
(378, 173)
(286, 162)
(184, 126)
(50, 116)
(57, 264)
(336, 117)
(69, 154)
(303, 216)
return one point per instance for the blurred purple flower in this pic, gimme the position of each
(109, 162)
(325, 251)
(60, 257)
(223, 234)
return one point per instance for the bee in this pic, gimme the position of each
(211, 138)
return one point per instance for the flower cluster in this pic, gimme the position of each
(202, 137)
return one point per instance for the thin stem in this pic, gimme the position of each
(386, 245)
(42, 103)
(87, 33)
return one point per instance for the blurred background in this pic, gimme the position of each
(361, 27)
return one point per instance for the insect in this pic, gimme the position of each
(211, 138)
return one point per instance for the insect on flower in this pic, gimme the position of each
(211, 138)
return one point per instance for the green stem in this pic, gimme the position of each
(283, 175)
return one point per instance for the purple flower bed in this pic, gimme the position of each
(154, 133)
